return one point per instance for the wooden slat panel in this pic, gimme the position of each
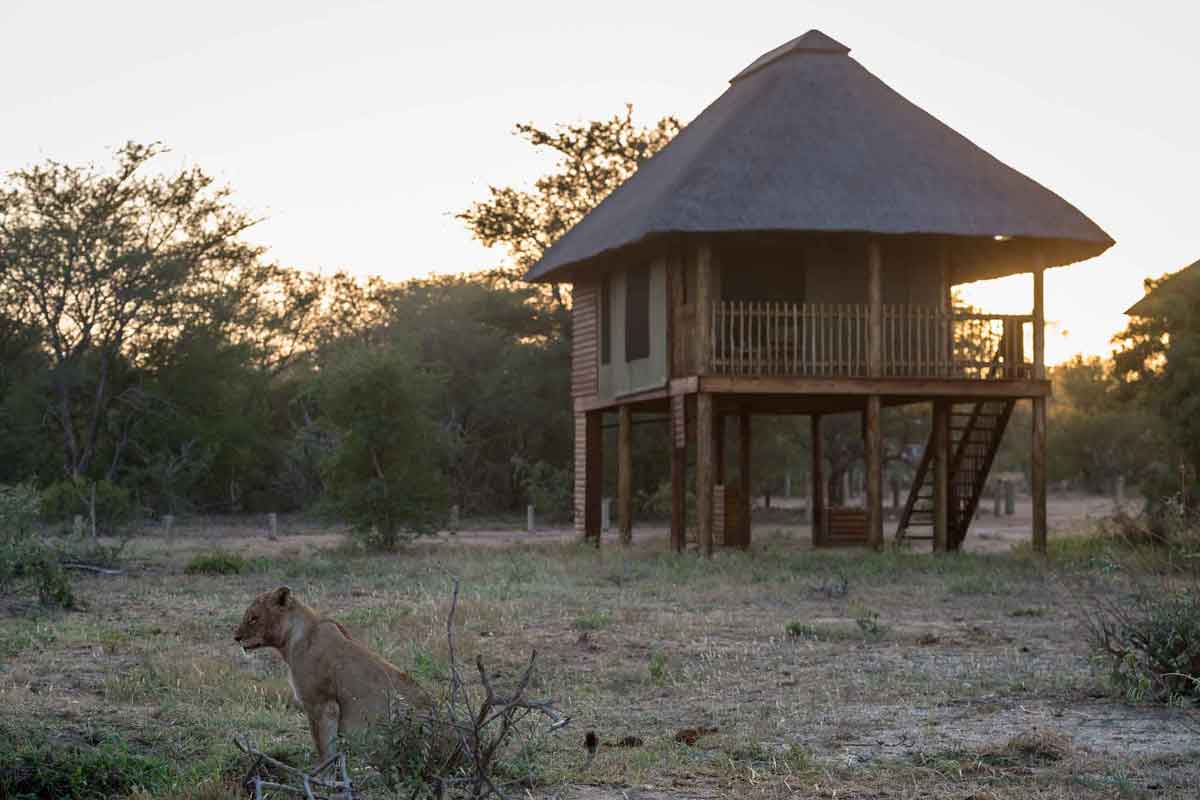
(581, 471)
(585, 341)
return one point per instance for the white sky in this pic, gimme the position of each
(359, 131)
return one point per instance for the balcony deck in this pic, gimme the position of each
(805, 340)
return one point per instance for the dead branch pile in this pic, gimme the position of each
(329, 781)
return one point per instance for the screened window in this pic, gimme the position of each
(605, 321)
(637, 314)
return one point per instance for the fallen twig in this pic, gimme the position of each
(91, 568)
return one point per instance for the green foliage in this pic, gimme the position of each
(217, 562)
(593, 620)
(594, 158)
(1158, 369)
(548, 488)
(25, 560)
(77, 772)
(801, 630)
(868, 622)
(658, 667)
(1152, 644)
(386, 476)
(63, 500)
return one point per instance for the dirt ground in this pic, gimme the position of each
(824, 674)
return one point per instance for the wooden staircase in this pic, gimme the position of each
(976, 429)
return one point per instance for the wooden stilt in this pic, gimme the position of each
(817, 470)
(744, 484)
(941, 475)
(678, 474)
(1037, 474)
(873, 452)
(625, 474)
(1037, 467)
(705, 471)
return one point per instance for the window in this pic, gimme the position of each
(637, 314)
(605, 321)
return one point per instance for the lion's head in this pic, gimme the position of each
(265, 621)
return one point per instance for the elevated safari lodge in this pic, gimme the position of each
(793, 251)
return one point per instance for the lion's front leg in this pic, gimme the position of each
(323, 723)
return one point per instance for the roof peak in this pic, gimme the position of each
(812, 42)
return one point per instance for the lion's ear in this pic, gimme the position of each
(282, 596)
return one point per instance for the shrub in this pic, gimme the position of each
(547, 487)
(63, 500)
(385, 474)
(1151, 641)
(105, 770)
(217, 562)
(24, 558)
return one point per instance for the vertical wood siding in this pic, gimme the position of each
(585, 340)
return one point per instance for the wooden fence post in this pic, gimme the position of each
(273, 526)
(529, 518)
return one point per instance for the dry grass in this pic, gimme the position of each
(919, 677)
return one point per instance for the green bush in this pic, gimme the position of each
(386, 475)
(25, 560)
(217, 562)
(62, 501)
(548, 488)
(30, 772)
(1151, 642)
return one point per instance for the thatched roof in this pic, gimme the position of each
(1151, 304)
(806, 140)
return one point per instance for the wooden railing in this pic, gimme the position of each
(831, 340)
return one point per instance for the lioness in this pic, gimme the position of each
(342, 685)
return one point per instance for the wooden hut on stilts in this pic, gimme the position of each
(793, 251)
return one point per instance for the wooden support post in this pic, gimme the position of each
(744, 485)
(705, 472)
(874, 309)
(678, 474)
(625, 474)
(873, 451)
(941, 475)
(707, 290)
(946, 300)
(1039, 320)
(589, 474)
(1037, 467)
(1037, 474)
(718, 448)
(817, 470)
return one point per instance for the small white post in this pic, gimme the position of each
(605, 514)
(787, 484)
(529, 518)
(79, 526)
(1010, 498)
(453, 520)
(1119, 493)
(273, 526)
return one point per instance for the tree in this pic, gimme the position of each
(1157, 366)
(103, 264)
(119, 273)
(386, 475)
(594, 158)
